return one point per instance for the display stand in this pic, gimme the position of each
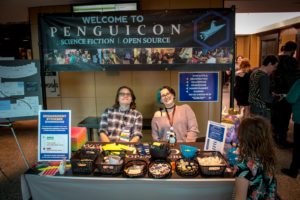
(10, 125)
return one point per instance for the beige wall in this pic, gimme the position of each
(89, 93)
(249, 47)
(286, 35)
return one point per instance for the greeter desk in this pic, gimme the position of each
(86, 187)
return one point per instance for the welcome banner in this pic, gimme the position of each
(156, 38)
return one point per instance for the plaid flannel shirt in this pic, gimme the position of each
(113, 121)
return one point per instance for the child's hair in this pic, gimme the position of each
(256, 142)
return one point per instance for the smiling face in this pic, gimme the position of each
(167, 98)
(124, 97)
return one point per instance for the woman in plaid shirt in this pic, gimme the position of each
(122, 122)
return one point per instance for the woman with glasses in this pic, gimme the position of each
(173, 120)
(122, 122)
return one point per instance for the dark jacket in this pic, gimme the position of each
(286, 74)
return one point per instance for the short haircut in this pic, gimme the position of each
(270, 59)
(290, 46)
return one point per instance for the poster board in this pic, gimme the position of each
(198, 86)
(21, 94)
(54, 135)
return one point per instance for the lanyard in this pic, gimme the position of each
(123, 117)
(171, 120)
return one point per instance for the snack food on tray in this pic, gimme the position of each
(187, 166)
(210, 161)
(159, 169)
(134, 169)
(112, 160)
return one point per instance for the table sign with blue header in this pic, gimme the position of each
(215, 137)
(198, 86)
(54, 135)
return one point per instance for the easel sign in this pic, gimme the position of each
(54, 135)
(215, 137)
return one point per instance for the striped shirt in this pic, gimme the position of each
(259, 89)
(114, 121)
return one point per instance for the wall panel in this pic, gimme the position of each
(286, 35)
(81, 108)
(77, 84)
(145, 85)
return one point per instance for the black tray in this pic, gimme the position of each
(191, 166)
(82, 165)
(163, 163)
(108, 169)
(160, 152)
(212, 170)
(131, 163)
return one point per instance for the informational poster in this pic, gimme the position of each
(54, 135)
(215, 137)
(20, 90)
(198, 86)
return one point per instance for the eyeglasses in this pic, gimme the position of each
(122, 94)
(165, 95)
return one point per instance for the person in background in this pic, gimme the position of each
(241, 87)
(260, 97)
(254, 172)
(293, 97)
(122, 122)
(286, 74)
(211, 59)
(227, 74)
(172, 118)
(238, 62)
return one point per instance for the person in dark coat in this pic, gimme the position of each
(283, 78)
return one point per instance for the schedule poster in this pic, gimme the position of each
(54, 135)
(198, 86)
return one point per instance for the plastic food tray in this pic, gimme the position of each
(212, 170)
(88, 153)
(187, 167)
(139, 163)
(109, 169)
(82, 165)
(160, 166)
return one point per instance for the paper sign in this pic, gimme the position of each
(198, 86)
(215, 137)
(54, 135)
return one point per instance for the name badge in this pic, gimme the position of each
(125, 135)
